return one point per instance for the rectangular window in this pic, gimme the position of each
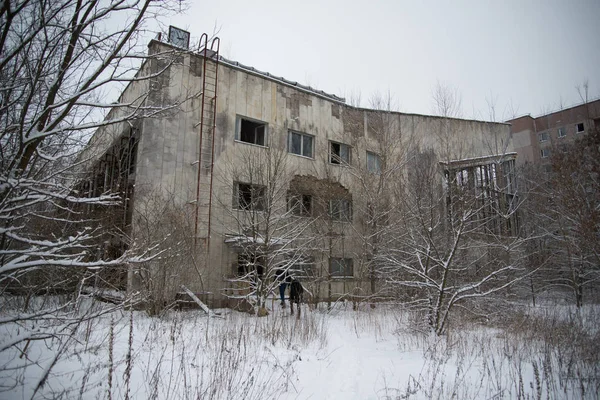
(580, 127)
(301, 144)
(250, 131)
(340, 210)
(373, 163)
(544, 136)
(249, 197)
(562, 132)
(341, 267)
(339, 153)
(300, 204)
(545, 153)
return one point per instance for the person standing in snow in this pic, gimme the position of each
(296, 292)
(282, 276)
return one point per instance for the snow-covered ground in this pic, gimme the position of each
(339, 354)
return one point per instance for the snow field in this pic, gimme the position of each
(382, 353)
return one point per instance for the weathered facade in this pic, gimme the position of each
(204, 156)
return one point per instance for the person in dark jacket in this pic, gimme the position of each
(282, 276)
(296, 292)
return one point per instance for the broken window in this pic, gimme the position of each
(339, 153)
(373, 163)
(562, 132)
(249, 197)
(301, 144)
(300, 204)
(544, 136)
(340, 209)
(545, 153)
(251, 131)
(579, 127)
(341, 267)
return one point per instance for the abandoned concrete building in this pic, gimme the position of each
(536, 138)
(247, 146)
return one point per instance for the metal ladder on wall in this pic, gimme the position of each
(206, 147)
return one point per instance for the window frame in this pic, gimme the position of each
(296, 204)
(577, 127)
(335, 159)
(543, 152)
(543, 136)
(377, 157)
(302, 136)
(342, 214)
(562, 130)
(255, 204)
(238, 130)
(345, 272)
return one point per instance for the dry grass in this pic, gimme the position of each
(522, 352)
(539, 353)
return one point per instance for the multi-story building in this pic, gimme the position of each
(246, 144)
(535, 139)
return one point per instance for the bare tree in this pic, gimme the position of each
(453, 238)
(447, 100)
(332, 232)
(160, 219)
(58, 61)
(267, 223)
(376, 173)
(561, 213)
(451, 244)
(565, 212)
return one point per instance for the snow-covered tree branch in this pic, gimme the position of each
(60, 63)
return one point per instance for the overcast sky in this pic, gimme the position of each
(528, 54)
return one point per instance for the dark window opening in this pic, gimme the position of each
(580, 127)
(301, 204)
(248, 264)
(341, 267)
(339, 153)
(250, 197)
(340, 210)
(253, 132)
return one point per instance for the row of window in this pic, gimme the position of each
(302, 144)
(251, 197)
(338, 267)
(561, 132)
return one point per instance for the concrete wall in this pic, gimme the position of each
(169, 144)
(523, 134)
